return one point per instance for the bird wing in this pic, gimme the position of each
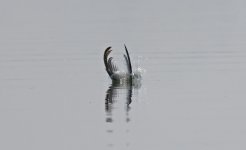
(108, 61)
(128, 61)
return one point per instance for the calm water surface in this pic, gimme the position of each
(56, 94)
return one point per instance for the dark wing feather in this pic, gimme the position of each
(105, 58)
(108, 62)
(129, 65)
(106, 53)
(112, 68)
(110, 65)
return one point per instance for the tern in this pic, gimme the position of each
(117, 74)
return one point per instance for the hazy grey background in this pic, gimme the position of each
(53, 83)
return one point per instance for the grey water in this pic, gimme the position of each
(55, 92)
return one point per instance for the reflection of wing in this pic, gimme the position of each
(112, 95)
(129, 98)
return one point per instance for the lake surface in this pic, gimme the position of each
(55, 92)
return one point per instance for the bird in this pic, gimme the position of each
(115, 73)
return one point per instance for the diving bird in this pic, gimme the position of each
(115, 73)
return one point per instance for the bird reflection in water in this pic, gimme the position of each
(113, 94)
